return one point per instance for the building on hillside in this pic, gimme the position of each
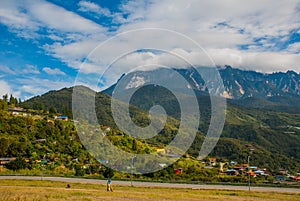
(63, 118)
(283, 171)
(252, 174)
(3, 161)
(232, 172)
(161, 151)
(253, 167)
(222, 166)
(259, 172)
(18, 111)
(40, 140)
(163, 165)
(212, 161)
(245, 165)
(233, 163)
(297, 178)
(178, 171)
(279, 178)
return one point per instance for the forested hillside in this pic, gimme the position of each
(274, 135)
(37, 144)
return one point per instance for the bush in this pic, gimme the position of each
(17, 164)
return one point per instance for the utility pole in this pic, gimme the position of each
(131, 172)
(249, 176)
(249, 182)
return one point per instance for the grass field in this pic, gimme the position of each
(20, 190)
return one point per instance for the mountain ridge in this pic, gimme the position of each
(239, 84)
(279, 91)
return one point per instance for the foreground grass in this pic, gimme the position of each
(50, 190)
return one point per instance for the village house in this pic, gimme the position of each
(161, 151)
(232, 172)
(63, 118)
(40, 140)
(3, 161)
(18, 111)
(212, 161)
(279, 178)
(178, 171)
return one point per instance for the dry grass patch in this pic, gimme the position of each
(50, 190)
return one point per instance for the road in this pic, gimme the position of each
(153, 184)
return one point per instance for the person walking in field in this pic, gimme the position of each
(109, 185)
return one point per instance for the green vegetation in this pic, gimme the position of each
(273, 134)
(35, 138)
(39, 136)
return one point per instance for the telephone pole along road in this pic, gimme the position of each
(154, 184)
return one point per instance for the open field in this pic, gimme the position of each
(55, 190)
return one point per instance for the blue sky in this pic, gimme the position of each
(44, 43)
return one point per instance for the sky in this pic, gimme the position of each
(45, 44)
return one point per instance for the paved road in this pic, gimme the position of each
(152, 184)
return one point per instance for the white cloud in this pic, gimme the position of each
(27, 17)
(97, 11)
(10, 15)
(7, 70)
(36, 86)
(74, 53)
(32, 89)
(86, 6)
(263, 61)
(53, 71)
(59, 18)
(295, 47)
(14, 16)
(220, 27)
(5, 88)
(254, 18)
(56, 37)
(30, 69)
(259, 61)
(215, 26)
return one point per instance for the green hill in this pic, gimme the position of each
(273, 134)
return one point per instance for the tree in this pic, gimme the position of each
(79, 171)
(134, 145)
(4, 144)
(5, 97)
(13, 100)
(52, 110)
(25, 105)
(38, 106)
(3, 105)
(108, 173)
(17, 164)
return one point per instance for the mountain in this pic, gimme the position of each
(279, 91)
(244, 84)
(238, 84)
